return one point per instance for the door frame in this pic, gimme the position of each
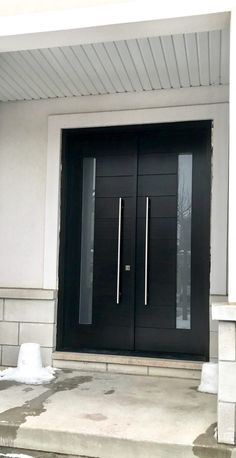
(194, 129)
(218, 113)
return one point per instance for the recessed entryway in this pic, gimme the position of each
(134, 245)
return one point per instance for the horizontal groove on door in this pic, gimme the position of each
(148, 185)
(160, 206)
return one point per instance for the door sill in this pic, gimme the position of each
(137, 365)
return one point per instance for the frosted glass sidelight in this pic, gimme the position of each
(184, 220)
(87, 241)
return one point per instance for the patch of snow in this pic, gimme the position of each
(16, 455)
(43, 375)
(29, 368)
(209, 378)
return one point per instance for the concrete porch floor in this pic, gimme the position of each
(111, 416)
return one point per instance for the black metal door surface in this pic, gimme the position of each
(134, 251)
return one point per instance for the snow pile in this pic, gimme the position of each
(209, 378)
(44, 375)
(29, 368)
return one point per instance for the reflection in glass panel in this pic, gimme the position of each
(184, 217)
(87, 241)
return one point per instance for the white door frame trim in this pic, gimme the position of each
(217, 112)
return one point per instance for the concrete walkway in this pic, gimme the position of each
(111, 416)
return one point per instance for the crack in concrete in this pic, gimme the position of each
(12, 419)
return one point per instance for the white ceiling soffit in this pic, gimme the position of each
(135, 65)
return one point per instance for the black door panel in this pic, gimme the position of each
(159, 164)
(160, 207)
(108, 207)
(114, 187)
(134, 163)
(149, 185)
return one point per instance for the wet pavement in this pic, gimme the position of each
(33, 453)
(105, 415)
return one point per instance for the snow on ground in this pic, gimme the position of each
(29, 377)
(209, 378)
(16, 455)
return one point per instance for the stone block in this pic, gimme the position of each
(213, 344)
(177, 373)
(127, 369)
(10, 355)
(27, 293)
(224, 312)
(227, 341)
(80, 365)
(1, 309)
(227, 381)
(8, 333)
(42, 334)
(226, 423)
(32, 311)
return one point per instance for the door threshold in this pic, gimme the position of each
(138, 365)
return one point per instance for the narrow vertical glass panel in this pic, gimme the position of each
(184, 220)
(87, 241)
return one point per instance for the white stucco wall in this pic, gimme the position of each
(23, 149)
(23, 139)
(23, 160)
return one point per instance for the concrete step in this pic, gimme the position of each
(104, 415)
(6, 451)
(99, 447)
(128, 365)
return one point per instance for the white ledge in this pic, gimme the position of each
(224, 311)
(27, 293)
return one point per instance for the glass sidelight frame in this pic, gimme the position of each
(87, 240)
(184, 241)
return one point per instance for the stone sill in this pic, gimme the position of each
(129, 360)
(27, 293)
(224, 311)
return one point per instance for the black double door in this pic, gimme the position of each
(134, 249)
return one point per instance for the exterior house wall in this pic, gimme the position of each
(26, 316)
(27, 310)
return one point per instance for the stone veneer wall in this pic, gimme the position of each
(29, 315)
(26, 316)
(214, 328)
(225, 313)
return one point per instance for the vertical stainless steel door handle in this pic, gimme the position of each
(118, 252)
(146, 254)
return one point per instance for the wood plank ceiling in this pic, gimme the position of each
(174, 61)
